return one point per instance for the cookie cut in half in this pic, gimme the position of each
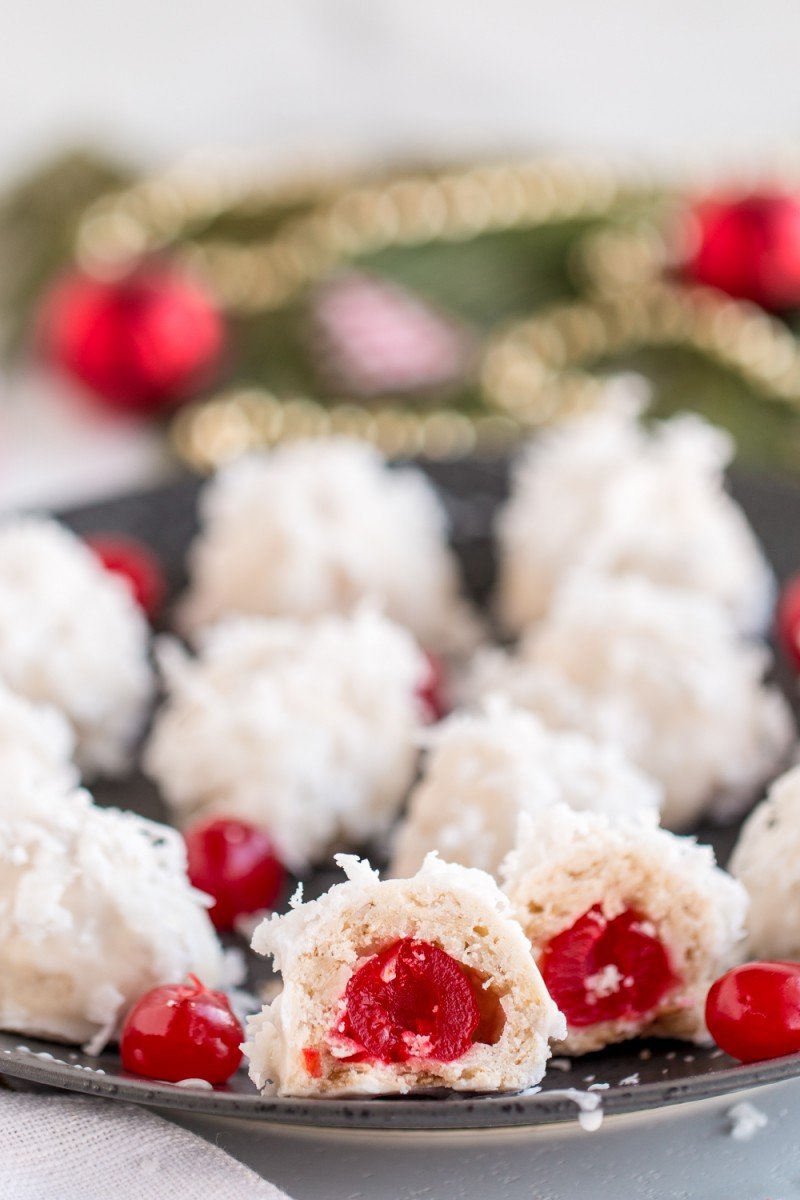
(629, 924)
(401, 986)
(766, 860)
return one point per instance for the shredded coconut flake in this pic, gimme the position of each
(746, 1121)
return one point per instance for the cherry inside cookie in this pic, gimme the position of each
(414, 1001)
(607, 970)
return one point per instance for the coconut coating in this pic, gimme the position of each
(606, 494)
(485, 768)
(36, 742)
(317, 527)
(72, 636)
(307, 730)
(95, 909)
(660, 673)
(319, 945)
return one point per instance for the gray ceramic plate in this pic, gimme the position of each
(634, 1077)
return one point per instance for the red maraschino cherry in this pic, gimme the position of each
(431, 693)
(236, 864)
(412, 1000)
(141, 344)
(753, 1011)
(607, 970)
(787, 621)
(182, 1031)
(137, 565)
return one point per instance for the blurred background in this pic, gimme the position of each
(695, 93)
(290, 79)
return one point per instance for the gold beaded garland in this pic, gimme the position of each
(531, 371)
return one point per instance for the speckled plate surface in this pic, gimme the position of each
(635, 1077)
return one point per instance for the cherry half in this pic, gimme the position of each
(753, 1011)
(236, 864)
(410, 1001)
(607, 970)
(137, 565)
(182, 1031)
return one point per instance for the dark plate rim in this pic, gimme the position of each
(438, 1113)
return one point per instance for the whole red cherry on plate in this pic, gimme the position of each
(787, 621)
(236, 864)
(431, 692)
(137, 564)
(140, 344)
(182, 1031)
(753, 1011)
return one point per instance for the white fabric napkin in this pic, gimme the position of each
(72, 1148)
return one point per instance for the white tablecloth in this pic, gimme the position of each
(72, 1148)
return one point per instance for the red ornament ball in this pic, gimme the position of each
(753, 1011)
(137, 565)
(182, 1031)
(412, 1000)
(749, 247)
(607, 970)
(787, 621)
(141, 344)
(236, 864)
(431, 692)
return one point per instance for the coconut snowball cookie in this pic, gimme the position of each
(662, 674)
(401, 985)
(72, 636)
(483, 769)
(604, 493)
(766, 861)
(316, 527)
(36, 742)
(630, 925)
(307, 730)
(95, 909)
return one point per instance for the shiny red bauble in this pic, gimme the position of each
(753, 1011)
(787, 621)
(182, 1031)
(140, 344)
(137, 565)
(412, 1000)
(236, 864)
(607, 970)
(749, 247)
(431, 692)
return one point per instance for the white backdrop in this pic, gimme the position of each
(645, 78)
